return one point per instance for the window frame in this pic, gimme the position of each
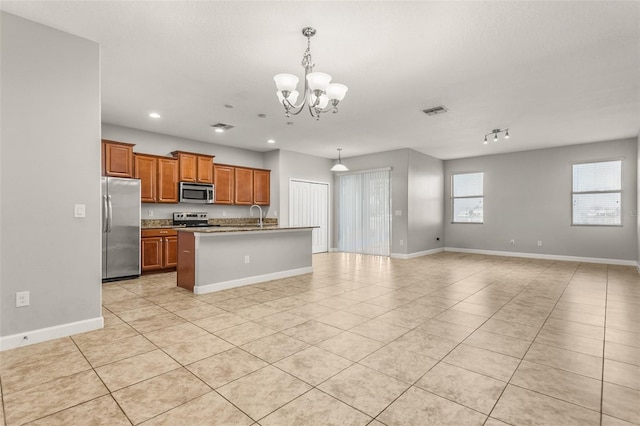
(620, 191)
(454, 198)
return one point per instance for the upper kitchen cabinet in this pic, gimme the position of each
(194, 167)
(223, 179)
(117, 159)
(167, 180)
(158, 178)
(251, 186)
(261, 187)
(243, 188)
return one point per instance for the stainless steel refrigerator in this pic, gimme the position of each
(120, 228)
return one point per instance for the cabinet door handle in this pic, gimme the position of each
(164, 232)
(186, 251)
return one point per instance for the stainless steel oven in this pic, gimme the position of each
(200, 193)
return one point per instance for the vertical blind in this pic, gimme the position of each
(597, 191)
(365, 212)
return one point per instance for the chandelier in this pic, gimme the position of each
(320, 95)
(495, 133)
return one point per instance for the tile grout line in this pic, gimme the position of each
(604, 345)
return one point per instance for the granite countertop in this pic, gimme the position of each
(223, 222)
(220, 229)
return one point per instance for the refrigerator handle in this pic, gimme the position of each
(110, 213)
(105, 214)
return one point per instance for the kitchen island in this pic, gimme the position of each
(218, 258)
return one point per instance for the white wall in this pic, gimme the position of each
(637, 212)
(425, 203)
(528, 198)
(161, 144)
(50, 143)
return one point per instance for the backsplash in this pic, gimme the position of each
(239, 221)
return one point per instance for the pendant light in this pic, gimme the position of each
(339, 167)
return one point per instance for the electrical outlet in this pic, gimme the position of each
(247, 259)
(150, 213)
(513, 242)
(539, 243)
(224, 213)
(22, 299)
(401, 242)
(398, 212)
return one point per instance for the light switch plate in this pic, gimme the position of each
(79, 210)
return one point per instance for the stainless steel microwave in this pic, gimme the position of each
(200, 193)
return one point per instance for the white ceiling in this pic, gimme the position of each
(555, 73)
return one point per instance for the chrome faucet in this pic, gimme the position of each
(259, 208)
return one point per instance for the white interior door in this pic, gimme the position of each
(309, 206)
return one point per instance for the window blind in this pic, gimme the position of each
(597, 193)
(365, 212)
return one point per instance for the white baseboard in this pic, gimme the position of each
(638, 266)
(43, 334)
(224, 285)
(416, 254)
(544, 256)
(333, 249)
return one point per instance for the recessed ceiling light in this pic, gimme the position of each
(262, 115)
(154, 115)
(271, 141)
(289, 123)
(228, 106)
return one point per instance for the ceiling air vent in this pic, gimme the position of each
(435, 110)
(221, 126)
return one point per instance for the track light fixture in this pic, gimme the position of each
(495, 133)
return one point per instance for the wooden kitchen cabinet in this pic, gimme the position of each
(158, 178)
(194, 167)
(261, 187)
(117, 159)
(223, 179)
(243, 187)
(167, 180)
(158, 249)
(204, 169)
(170, 254)
(146, 169)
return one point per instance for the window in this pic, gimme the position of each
(468, 197)
(597, 190)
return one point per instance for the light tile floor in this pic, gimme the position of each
(452, 339)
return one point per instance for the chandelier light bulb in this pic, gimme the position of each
(495, 137)
(336, 91)
(485, 140)
(506, 135)
(286, 82)
(318, 81)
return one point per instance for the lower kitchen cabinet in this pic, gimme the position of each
(158, 249)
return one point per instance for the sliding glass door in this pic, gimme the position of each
(364, 219)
